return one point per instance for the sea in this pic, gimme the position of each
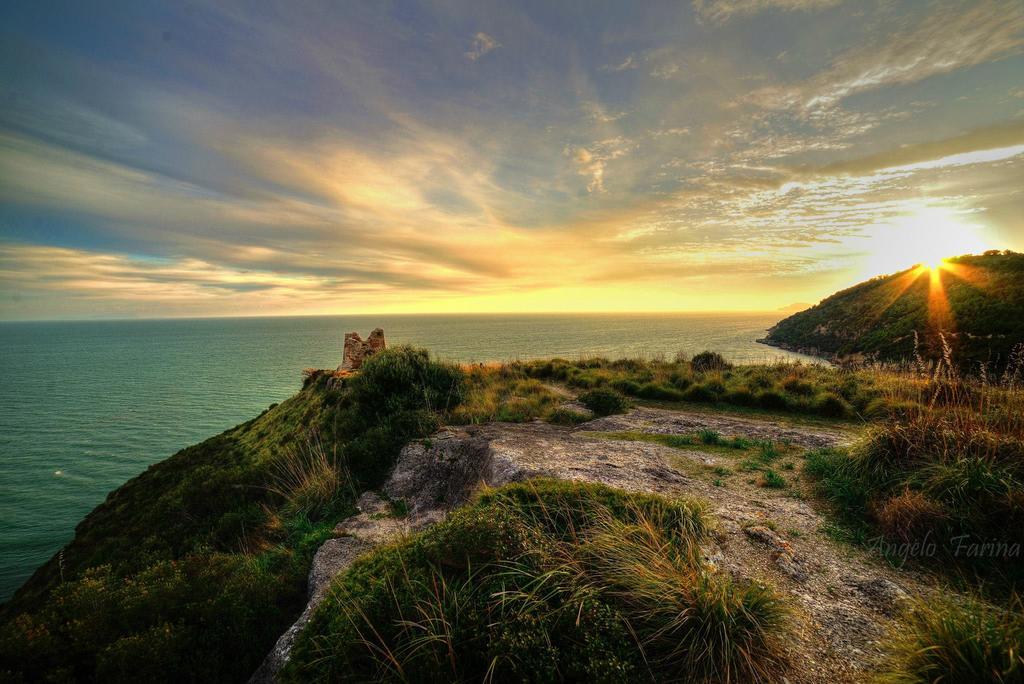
(87, 405)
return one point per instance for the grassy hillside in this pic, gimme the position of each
(190, 571)
(976, 301)
(206, 553)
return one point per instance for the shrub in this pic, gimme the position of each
(653, 390)
(740, 397)
(958, 640)
(910, 516)
(715, 386)
(709, 436)
(832, 406)
(397, 396)
(312, 482)
(681, 382)
(839, 480)
(700, 393)
(403, 379)
(604, 402)
(772, 400)
(709, 361)
(566, 416)
(772, 480)
(794, 384)
(626, 387)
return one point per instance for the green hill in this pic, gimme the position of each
(975, 301)
(190, 571)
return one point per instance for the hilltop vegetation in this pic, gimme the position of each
(207, 553)
(977, 302)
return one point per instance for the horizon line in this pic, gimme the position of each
(653, 312)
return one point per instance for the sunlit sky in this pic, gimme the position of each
(251, 158)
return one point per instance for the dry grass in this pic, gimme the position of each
(958, 640)
(310, 480)
(503, 392)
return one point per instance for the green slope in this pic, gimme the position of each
(976, 301)
(190, 571)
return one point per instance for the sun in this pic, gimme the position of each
(926, 236)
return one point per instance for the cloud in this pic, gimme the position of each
(930, 154)
(480, 46)
(721, 11)
(600, 114)
(629, 63)
(590, 161)
(945, 40)
(385, 176)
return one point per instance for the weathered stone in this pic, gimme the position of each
(374, 523)
(782, 551)
(441, 472)
(333, 556)
(375, 342)
(357, 349)
(883, 594)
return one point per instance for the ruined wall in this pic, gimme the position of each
(357, 349)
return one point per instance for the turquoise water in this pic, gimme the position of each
(85, 406)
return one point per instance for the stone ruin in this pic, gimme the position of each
(357, 349)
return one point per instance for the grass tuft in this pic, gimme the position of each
(547, 580)
(958, 640)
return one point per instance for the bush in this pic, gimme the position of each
(910, 517)
(604, 402)
(772, 400)
(772, 480)
(627, 387)
(709, 361)
(740, 397)
(680, 382)
(794, 384)
(700, 393)
(839, 480)
(566, 416)
(397, 396)
(831, 406)
(402, 379)
(653, 390)
(710, 437)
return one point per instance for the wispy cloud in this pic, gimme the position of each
(630, 62)
(720, 11)
(947, 39)
(480, 46)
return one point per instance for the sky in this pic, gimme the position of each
(275, 158)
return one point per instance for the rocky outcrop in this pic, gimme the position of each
(357, 349)
(432, 477)
(435, 475)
